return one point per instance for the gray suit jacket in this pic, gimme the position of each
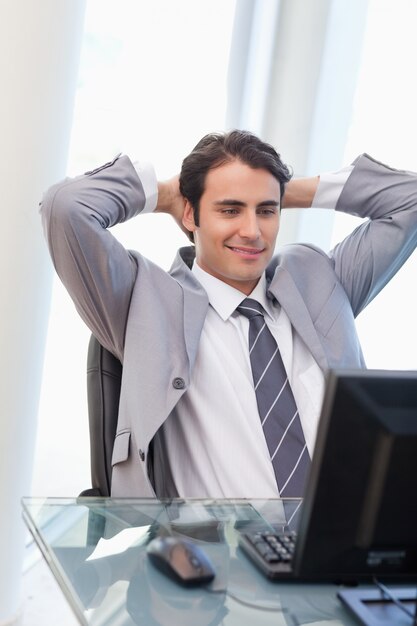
(152, 320)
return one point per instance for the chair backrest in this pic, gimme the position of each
(104, 374)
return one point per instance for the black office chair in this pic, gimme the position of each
(104, 374)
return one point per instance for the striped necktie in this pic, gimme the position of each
(277, 408)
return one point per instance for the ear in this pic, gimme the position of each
(188, 217)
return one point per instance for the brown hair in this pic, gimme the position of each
(215, 149)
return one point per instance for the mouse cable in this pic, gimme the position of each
(252, 605)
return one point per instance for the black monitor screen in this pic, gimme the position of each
(360, 504)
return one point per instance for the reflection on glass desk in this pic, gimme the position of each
(96, 548)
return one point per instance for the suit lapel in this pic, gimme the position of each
(195, 301)
(287, 294)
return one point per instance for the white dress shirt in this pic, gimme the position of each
(214, 437)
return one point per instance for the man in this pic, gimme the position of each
(191, 419)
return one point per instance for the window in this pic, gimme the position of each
(383, 124)
(152, 81)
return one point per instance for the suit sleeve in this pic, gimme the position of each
(370, 256)
(98, 272)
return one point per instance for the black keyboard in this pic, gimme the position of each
(271, 552)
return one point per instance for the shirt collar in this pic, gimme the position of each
(225, 299)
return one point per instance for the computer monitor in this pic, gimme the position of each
(359, 515)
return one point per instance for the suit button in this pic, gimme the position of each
(141, 455)
(178, 383)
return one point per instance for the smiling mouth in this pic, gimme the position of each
(246, 251)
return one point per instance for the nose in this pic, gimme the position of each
(249, 226)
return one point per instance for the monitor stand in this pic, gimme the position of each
(382, 606)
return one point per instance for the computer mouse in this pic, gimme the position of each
(181, 559)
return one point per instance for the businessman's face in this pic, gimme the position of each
(238, 224)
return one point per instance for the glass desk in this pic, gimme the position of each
(96, 548)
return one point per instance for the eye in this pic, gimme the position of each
(230, 211)
(267, 211)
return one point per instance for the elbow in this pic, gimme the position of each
(56, 201)
(59, 209)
